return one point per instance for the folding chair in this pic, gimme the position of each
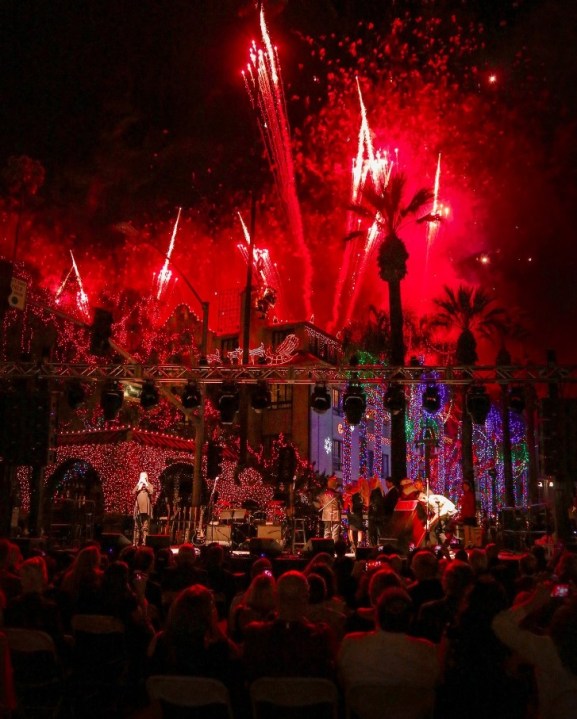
(293, 696)
(99, 664)
(38, 679)
(382, 701)
(177, 694)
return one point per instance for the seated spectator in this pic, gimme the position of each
(185, 573)
(259, 604)
(191, 642)
(478, 561)
(80, 585)
(343, 569)
(290, 645)
(9, 577)
(320, 609)
(259, 566)
(387, 654)
(436, 615)
(427, 585)
(325, 570)
(33, 608)
(553, 655)
(219, 578)
(478, 670)
(364, 617)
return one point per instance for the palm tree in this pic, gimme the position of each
(470, 311)
(388, 212)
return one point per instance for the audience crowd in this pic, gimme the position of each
(484, 634)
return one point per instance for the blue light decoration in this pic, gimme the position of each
(445, 464)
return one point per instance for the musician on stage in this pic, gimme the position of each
(329, 504)
(353, 505)
(142, 508)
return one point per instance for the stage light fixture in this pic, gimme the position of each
(75, 394)
(320, 400)
(395, 399)
(431, 399)
(478, 404)
(111, 400)
(228, 402)
(517, 399)
(191, 396)
(261, 398)
(149, 395)
(354, 403)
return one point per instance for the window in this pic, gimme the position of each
(337, 455)
(337, 401)
(281, 395)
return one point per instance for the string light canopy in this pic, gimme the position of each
(320, 400)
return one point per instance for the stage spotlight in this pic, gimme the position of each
(261, 398)
(395, 399)
(75, 394)
(111, 400)
(478, 404)
(354, 403)
(148, 395)
(320, 400)
(191, 396)
(228, 402)
(517, 399)
(431, 399)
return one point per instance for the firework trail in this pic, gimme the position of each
(433, 225)
(376, 166)
(263, 265)
(264, 85)
(82, 297)
(165, 273)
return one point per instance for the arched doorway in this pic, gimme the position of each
(73, 507)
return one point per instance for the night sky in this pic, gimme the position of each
(137, 107)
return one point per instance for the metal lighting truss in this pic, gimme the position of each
(291, 374)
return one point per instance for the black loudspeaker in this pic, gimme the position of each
(112, 542)
(158, 541)
(320, 544)
(261, 546)
(220, 533)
